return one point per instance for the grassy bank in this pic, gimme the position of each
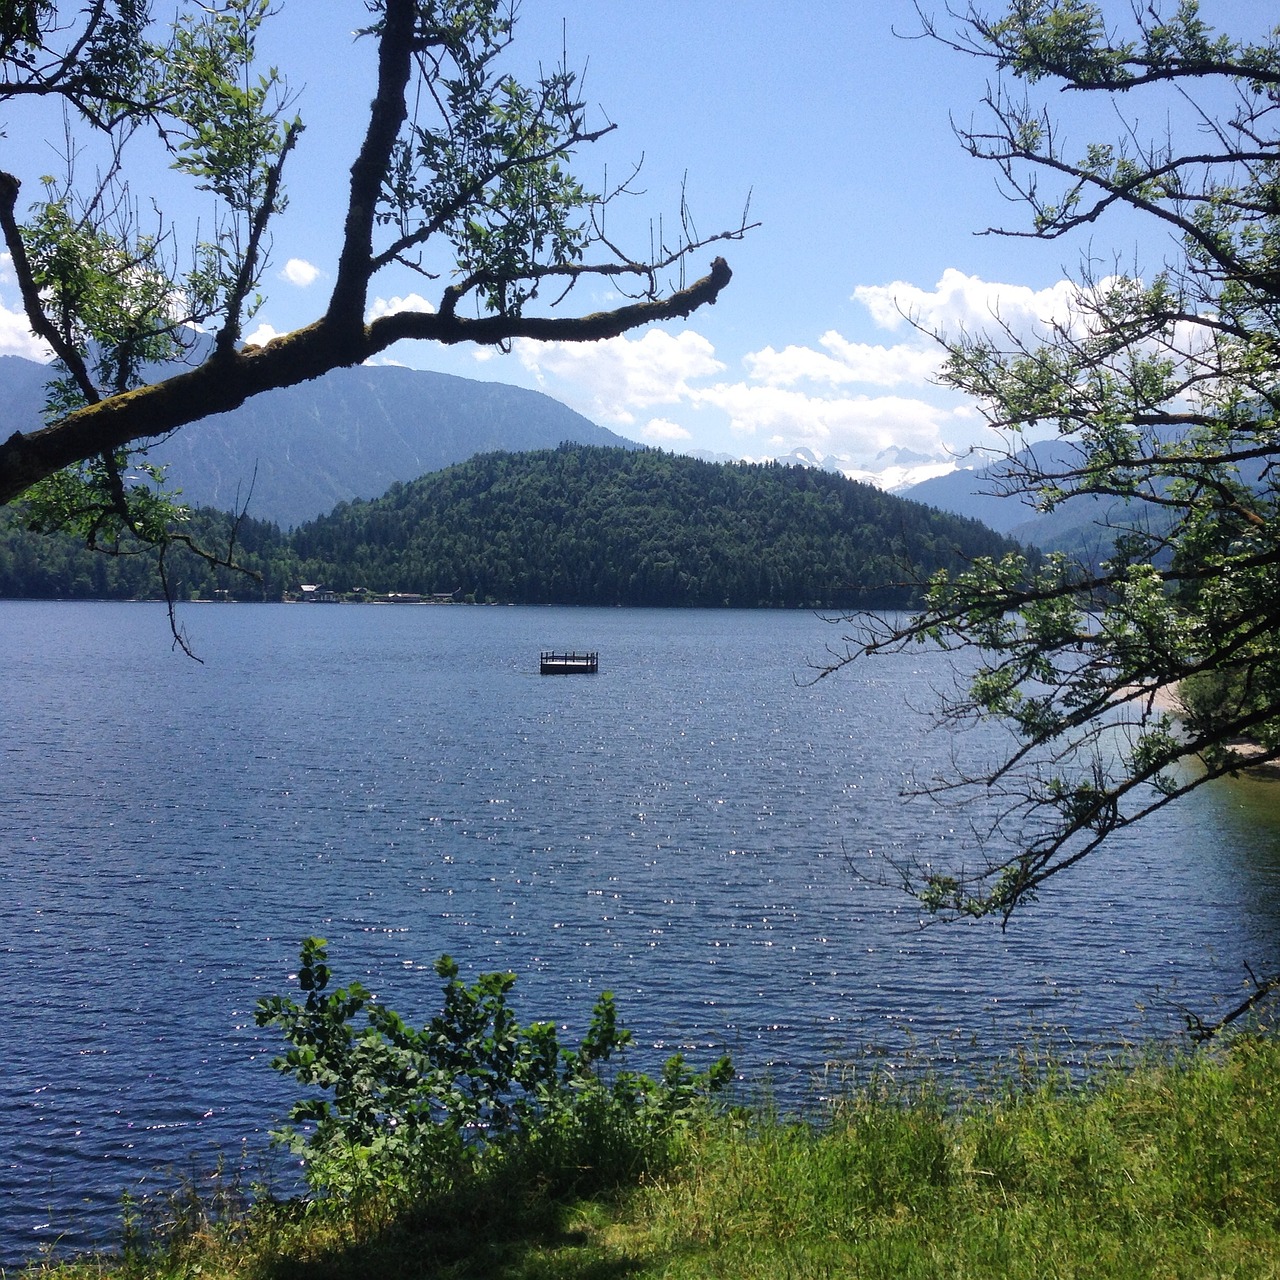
(1161, 1169)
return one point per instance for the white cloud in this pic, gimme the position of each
(390, 306)
(788, 398)
(609, 381)
(845, 362)
(261, 336)
(806, 396)
(300, 272)
(856, 426)
(838, 396)
(660, 430)
(960, 303)
(16, 338)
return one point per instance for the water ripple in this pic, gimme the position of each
(678, 829)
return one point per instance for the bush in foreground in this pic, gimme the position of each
(1160, 1167)
(411, 1112)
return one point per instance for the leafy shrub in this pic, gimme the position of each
(413, 1110)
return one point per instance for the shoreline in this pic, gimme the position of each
(1166, 698)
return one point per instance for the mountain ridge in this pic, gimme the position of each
(574, 525)
(295, 453)
(589, 525)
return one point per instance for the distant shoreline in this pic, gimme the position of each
(1162, 697)
(1166, 698)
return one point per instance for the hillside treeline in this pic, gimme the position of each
(59, 567)
(574, 525)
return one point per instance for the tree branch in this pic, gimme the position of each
(387, 115)
(219, 386)
(31, 303)
(230, 333)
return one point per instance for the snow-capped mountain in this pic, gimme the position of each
(892, 469)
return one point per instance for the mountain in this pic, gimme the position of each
(1084, 527)
(579, 525)
(22, 384)
(975, 492)
(971, 492)
(351, 434)
(893, 469)
(573, 525)
(355, 432)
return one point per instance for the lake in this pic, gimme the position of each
(688, 828)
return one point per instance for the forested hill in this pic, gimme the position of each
(585, 525)
(574, 525)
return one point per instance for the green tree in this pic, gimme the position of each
(463, 176)
(610, 526)
(1164, 388)
(417, 1109)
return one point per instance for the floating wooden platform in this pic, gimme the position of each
(570, 664)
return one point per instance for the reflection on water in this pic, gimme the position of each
(683, 828)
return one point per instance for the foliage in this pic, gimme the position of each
(100, 287)
(463, 177)
(1165, 393)
(57, 565)
(583, 525)
(1145, 1167)
(574, 525)
(414, 1110)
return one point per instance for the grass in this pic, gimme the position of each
(1160, 1168)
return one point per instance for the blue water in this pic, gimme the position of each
(690, 828)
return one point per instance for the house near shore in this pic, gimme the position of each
(317, 593)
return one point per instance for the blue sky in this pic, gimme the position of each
(827, 114)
